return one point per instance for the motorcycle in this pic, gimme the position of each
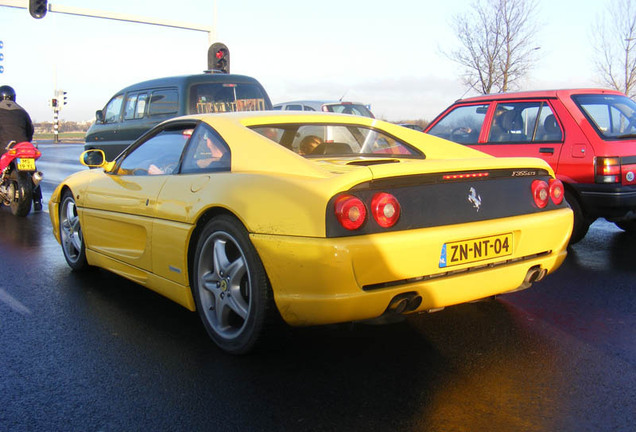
(20, 179)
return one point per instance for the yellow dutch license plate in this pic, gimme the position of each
(26, 164)
(473, 250)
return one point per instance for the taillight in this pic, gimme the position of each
(350, 212)
(385, 209)
(540, 193)
(608, 170)
(556, 191)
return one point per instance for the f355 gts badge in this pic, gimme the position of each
(474, 198)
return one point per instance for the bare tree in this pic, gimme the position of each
(496, 38)
(615, 47)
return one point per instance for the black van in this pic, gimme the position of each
(139, 107)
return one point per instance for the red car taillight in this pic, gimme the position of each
(556, 191)
(385, 209)
(608, 170)
(540, 193)
(350, 212)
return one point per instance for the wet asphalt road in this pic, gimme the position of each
(94, 352)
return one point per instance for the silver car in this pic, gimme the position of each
(340, 107)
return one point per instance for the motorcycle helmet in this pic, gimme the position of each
(7, 92)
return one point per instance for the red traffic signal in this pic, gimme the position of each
(38, 8)
(219, 58)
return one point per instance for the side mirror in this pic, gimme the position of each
(99, 116)
(93, 158)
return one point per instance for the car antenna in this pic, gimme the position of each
(342, 97)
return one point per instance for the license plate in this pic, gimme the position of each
(26, 164)
(467, 251)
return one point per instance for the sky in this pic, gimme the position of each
(389, 55)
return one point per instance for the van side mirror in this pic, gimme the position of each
(99, 116)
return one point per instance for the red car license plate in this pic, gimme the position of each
(467, 251)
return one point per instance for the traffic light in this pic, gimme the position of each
(54, 103)
(38, 8)
(219, 58)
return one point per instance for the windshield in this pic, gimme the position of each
(318, 140)
(226, 97)
(613, 116)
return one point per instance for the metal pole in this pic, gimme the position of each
(56, 126)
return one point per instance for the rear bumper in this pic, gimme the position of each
(322, 281)
(608, 201)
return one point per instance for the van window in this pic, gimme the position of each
(163, 103)
(224, 97)
(141, 105)
(112, 110)
(131, 102)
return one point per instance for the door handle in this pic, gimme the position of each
(549, 150)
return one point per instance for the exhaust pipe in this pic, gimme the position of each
(535, 274)
(403, 303)
(37, 177)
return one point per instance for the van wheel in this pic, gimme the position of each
(581, 221)
(628, 226)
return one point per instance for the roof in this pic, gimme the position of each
(196, 78)
(557, 93)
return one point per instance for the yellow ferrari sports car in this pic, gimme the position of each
(310, 217)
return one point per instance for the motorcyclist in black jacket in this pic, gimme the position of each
(15, 125)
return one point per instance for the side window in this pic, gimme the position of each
(523, 122)
(206, 152)
(131, 102)
(462, 125)
(113, 109)
(548, 128)
(159, 154)
(294, 107)
(163, 103)
(141, 105)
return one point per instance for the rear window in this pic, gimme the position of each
(226, 97)
(348, 108)
(613, 116)
(321, 140)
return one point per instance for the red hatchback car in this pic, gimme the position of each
(588, 136)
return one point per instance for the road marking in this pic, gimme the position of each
(13, 303)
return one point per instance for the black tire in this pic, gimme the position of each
(22, 193)
(230, 286)
(628, 226)
(581, 221)
(71, 234)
